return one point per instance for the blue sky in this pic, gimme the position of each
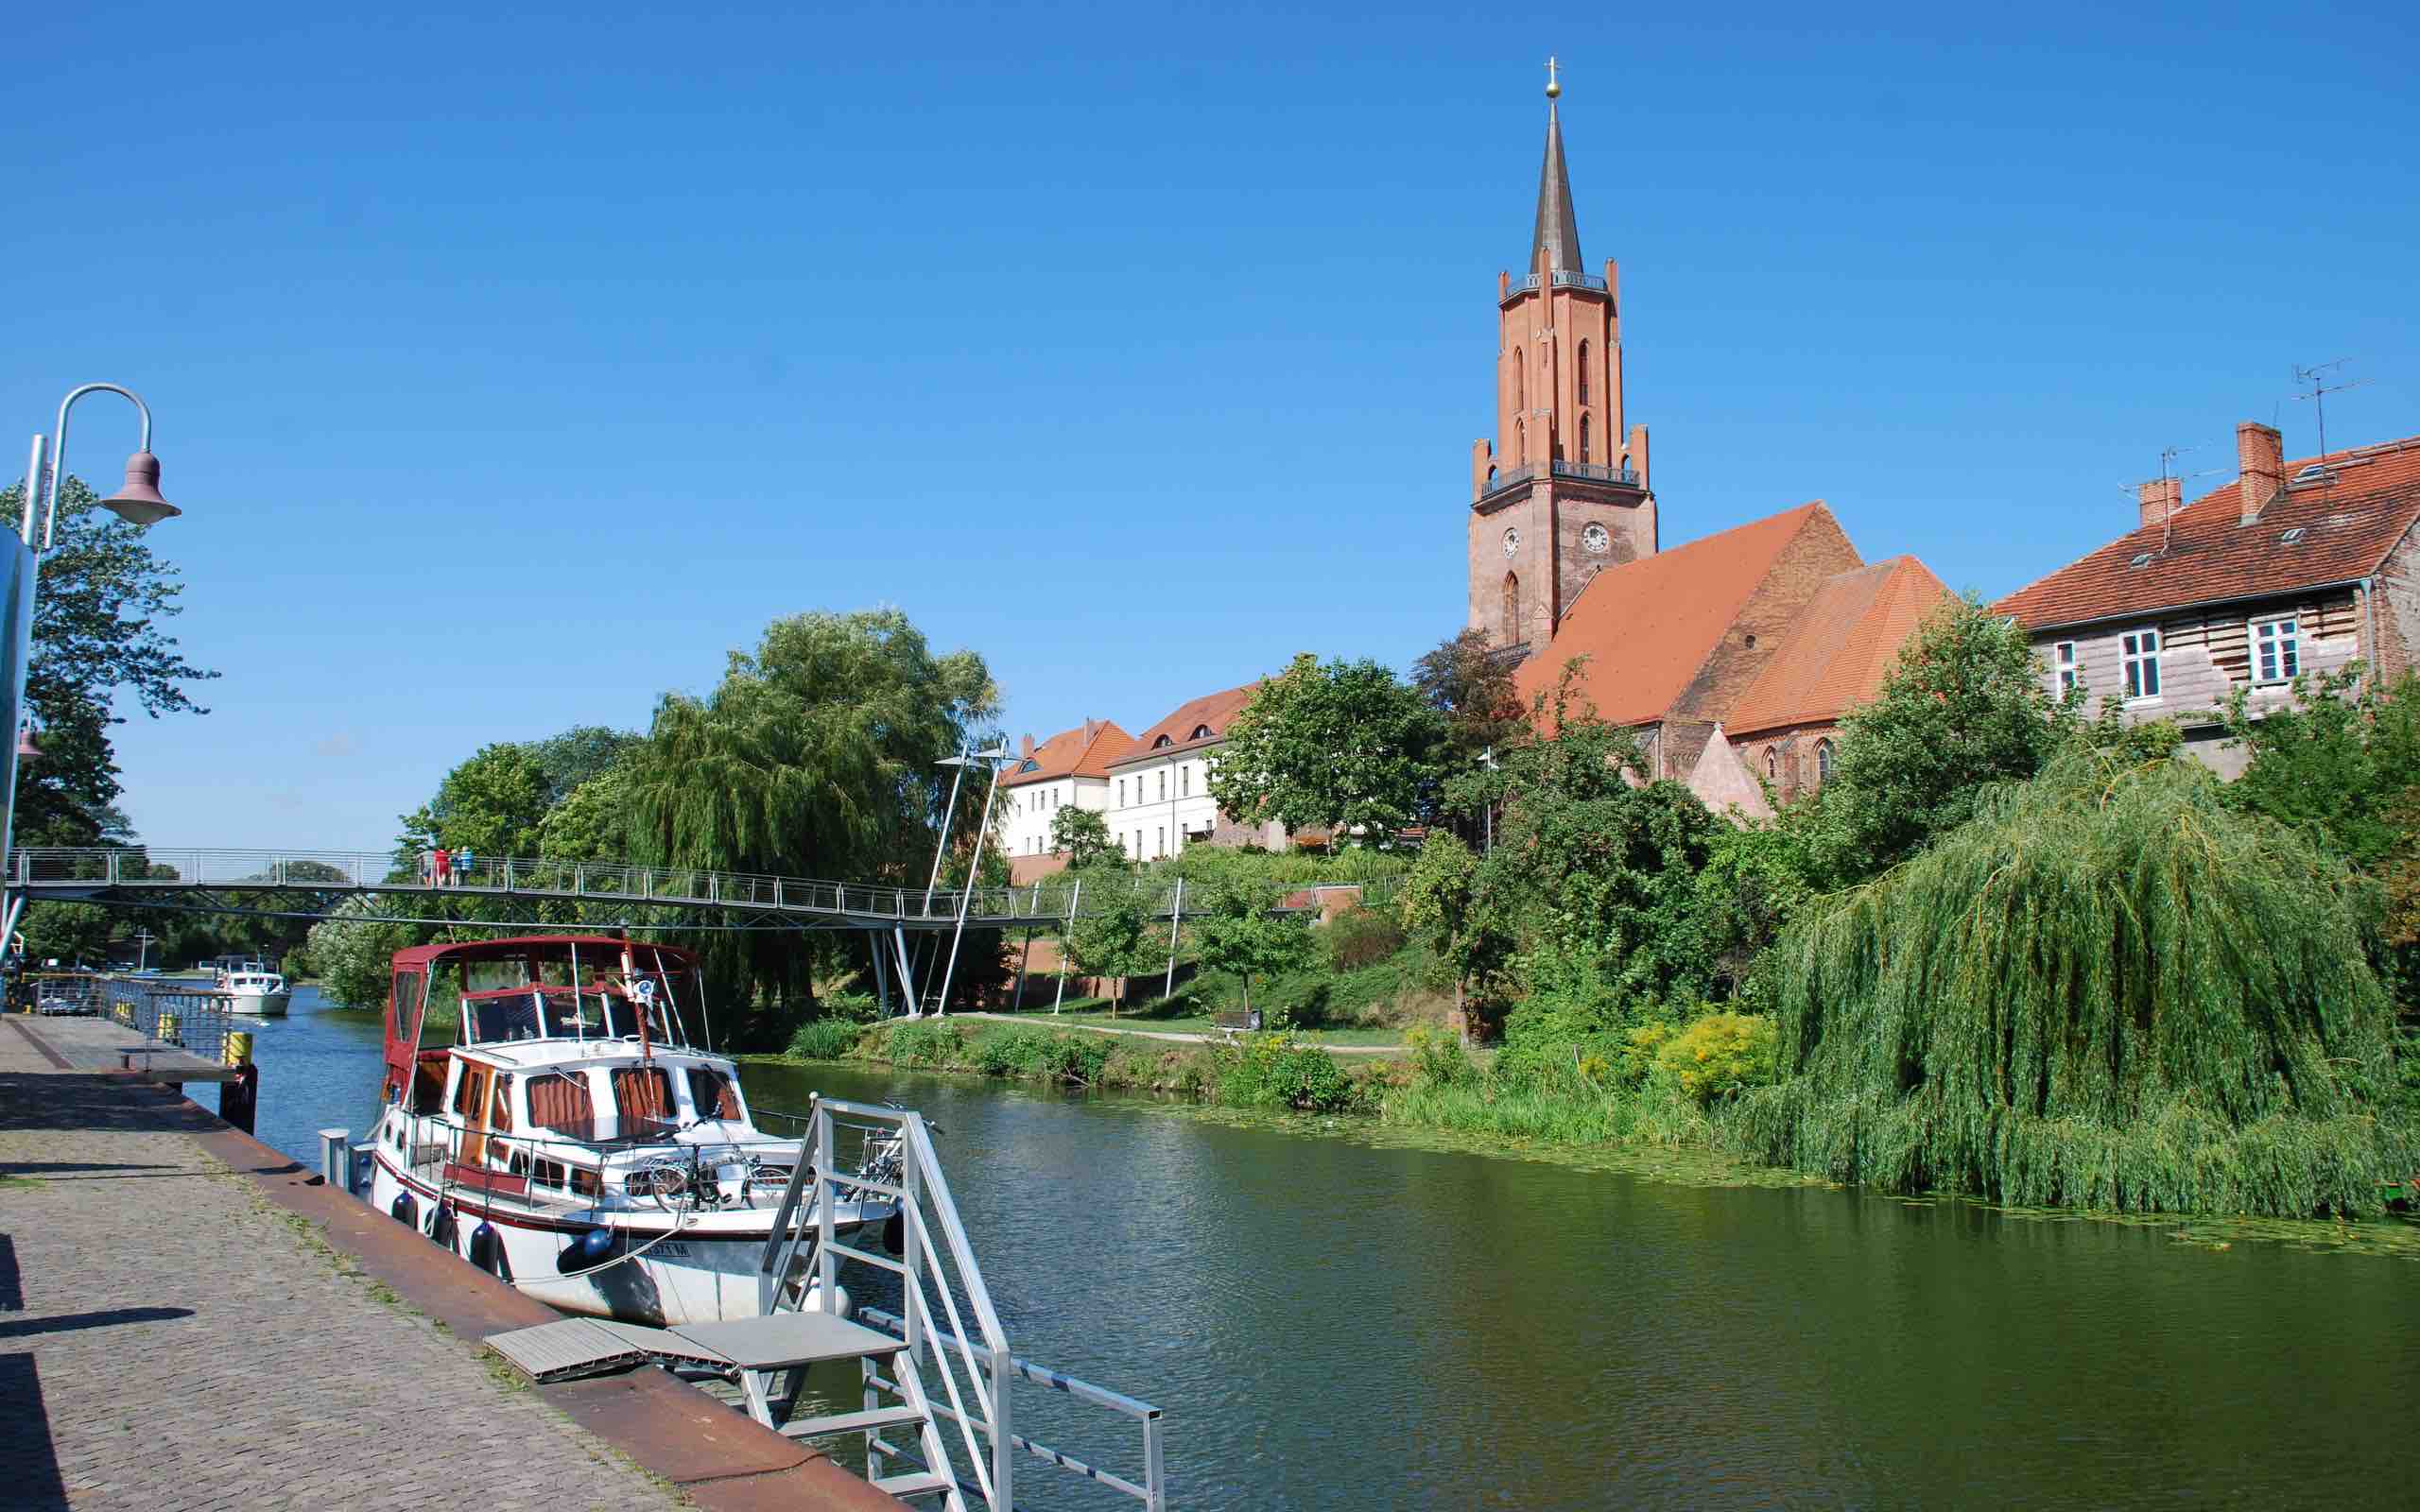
(513, 365)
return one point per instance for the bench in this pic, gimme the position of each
(1230, 1025)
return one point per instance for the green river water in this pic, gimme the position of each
(1336, 1322)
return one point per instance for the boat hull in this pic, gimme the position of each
(658, 1281)
(260, 1005)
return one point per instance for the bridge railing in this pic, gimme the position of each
(66, 869)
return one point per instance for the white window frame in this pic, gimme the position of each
(2287, 645)
(2138, 661)
(2065, 673)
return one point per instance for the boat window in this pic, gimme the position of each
(713, 1092)
(466, 1083)
(562, 1103)
(406, 1002)
(642, 1096)
(500, 1108)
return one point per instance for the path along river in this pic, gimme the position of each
(1331, 1323)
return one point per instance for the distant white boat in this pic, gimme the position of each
(256, 991)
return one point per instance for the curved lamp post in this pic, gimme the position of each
(137, 502)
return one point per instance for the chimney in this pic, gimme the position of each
(1024, 746)
(2260, 456)
(2159, 498)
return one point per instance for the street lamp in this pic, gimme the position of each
(137, 502)
(1487, 759)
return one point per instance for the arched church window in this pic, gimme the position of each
(1772, 766)
(1520, 382)
(1584, 378)
(1585, 454)
(1512, 609)
(1824, 761)
(1491, 477)
(1520, 442)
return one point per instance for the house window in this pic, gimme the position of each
(1822, 761)
(1163, 847)
(1584, 399)
(1121, 792)
(2140, 652)
(1184, 782)
(1585, 454)
(2062, 660)
(1164, 782)
(2276, 649)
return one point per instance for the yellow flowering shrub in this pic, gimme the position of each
(1718, 1054)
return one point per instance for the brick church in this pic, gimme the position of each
(1733, 657)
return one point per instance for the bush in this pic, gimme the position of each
(825, 1038)
(851, 1007)
(930, 1043)
(1360, 936)
(1437, 1059)
(1719, 1055)
(1020, 1051)
(1277, 1071)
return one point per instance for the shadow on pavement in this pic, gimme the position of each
(28, 1464)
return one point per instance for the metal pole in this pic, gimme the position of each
(1074, 895)
(950, 810)
(906, 973)
(35, 472)
(1025, 966)
(1176, 922)
(966, 897)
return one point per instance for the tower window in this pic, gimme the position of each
(1585, 455)
(1520, 382)
(1583, 395)
(1512, 609)
(1520, 442)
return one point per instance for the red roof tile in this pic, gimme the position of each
(2204, 555)
(1646, 626)
(1083, 751)
(1840, 648)
(1215, 711)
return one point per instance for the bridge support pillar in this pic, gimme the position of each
(907, 971)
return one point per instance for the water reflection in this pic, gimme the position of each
(1335, 1323)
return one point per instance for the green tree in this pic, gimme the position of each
(1966, 706)
(1081, 835)
(104, 600)
(492, 804)
(1236, 931)
(1341, 743)
(592, 822)
(579, 754)
(1445, 905)
(2335, 764)
(351, 948)
(1116, 936)
(813, 757)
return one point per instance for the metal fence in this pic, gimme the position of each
(193, 1019)
(64, 871)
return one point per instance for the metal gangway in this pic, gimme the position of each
(960, 1443)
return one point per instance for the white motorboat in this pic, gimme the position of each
(254, 990)
(574, 1142)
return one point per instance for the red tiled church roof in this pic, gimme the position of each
(1840, 648)
(2349, 521)
(1083, 751)
(1646, 626)
(1215, 710)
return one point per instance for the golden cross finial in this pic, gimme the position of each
(1554, 87)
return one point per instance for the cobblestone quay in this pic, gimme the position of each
(188, 1320)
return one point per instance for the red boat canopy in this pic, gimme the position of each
(408, 988)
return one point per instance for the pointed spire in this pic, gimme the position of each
(1558, 230)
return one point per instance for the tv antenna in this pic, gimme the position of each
(2320, 388)
(2168, 455)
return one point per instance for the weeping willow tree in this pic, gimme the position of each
(2107, 990)
(813, 757)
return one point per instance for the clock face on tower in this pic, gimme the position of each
(1595, 539)
(1511, 541)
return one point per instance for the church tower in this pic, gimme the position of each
(1562, 492)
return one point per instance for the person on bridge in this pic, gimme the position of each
(441, 867)
(462, 864)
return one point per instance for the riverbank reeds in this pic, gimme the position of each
(2109, 991)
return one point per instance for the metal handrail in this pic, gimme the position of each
(939, 1331)
(1562, 280)
(63, 870)
(1601, 473)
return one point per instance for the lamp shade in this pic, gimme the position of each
(138, 502)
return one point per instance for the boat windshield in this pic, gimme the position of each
(547, 1012)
